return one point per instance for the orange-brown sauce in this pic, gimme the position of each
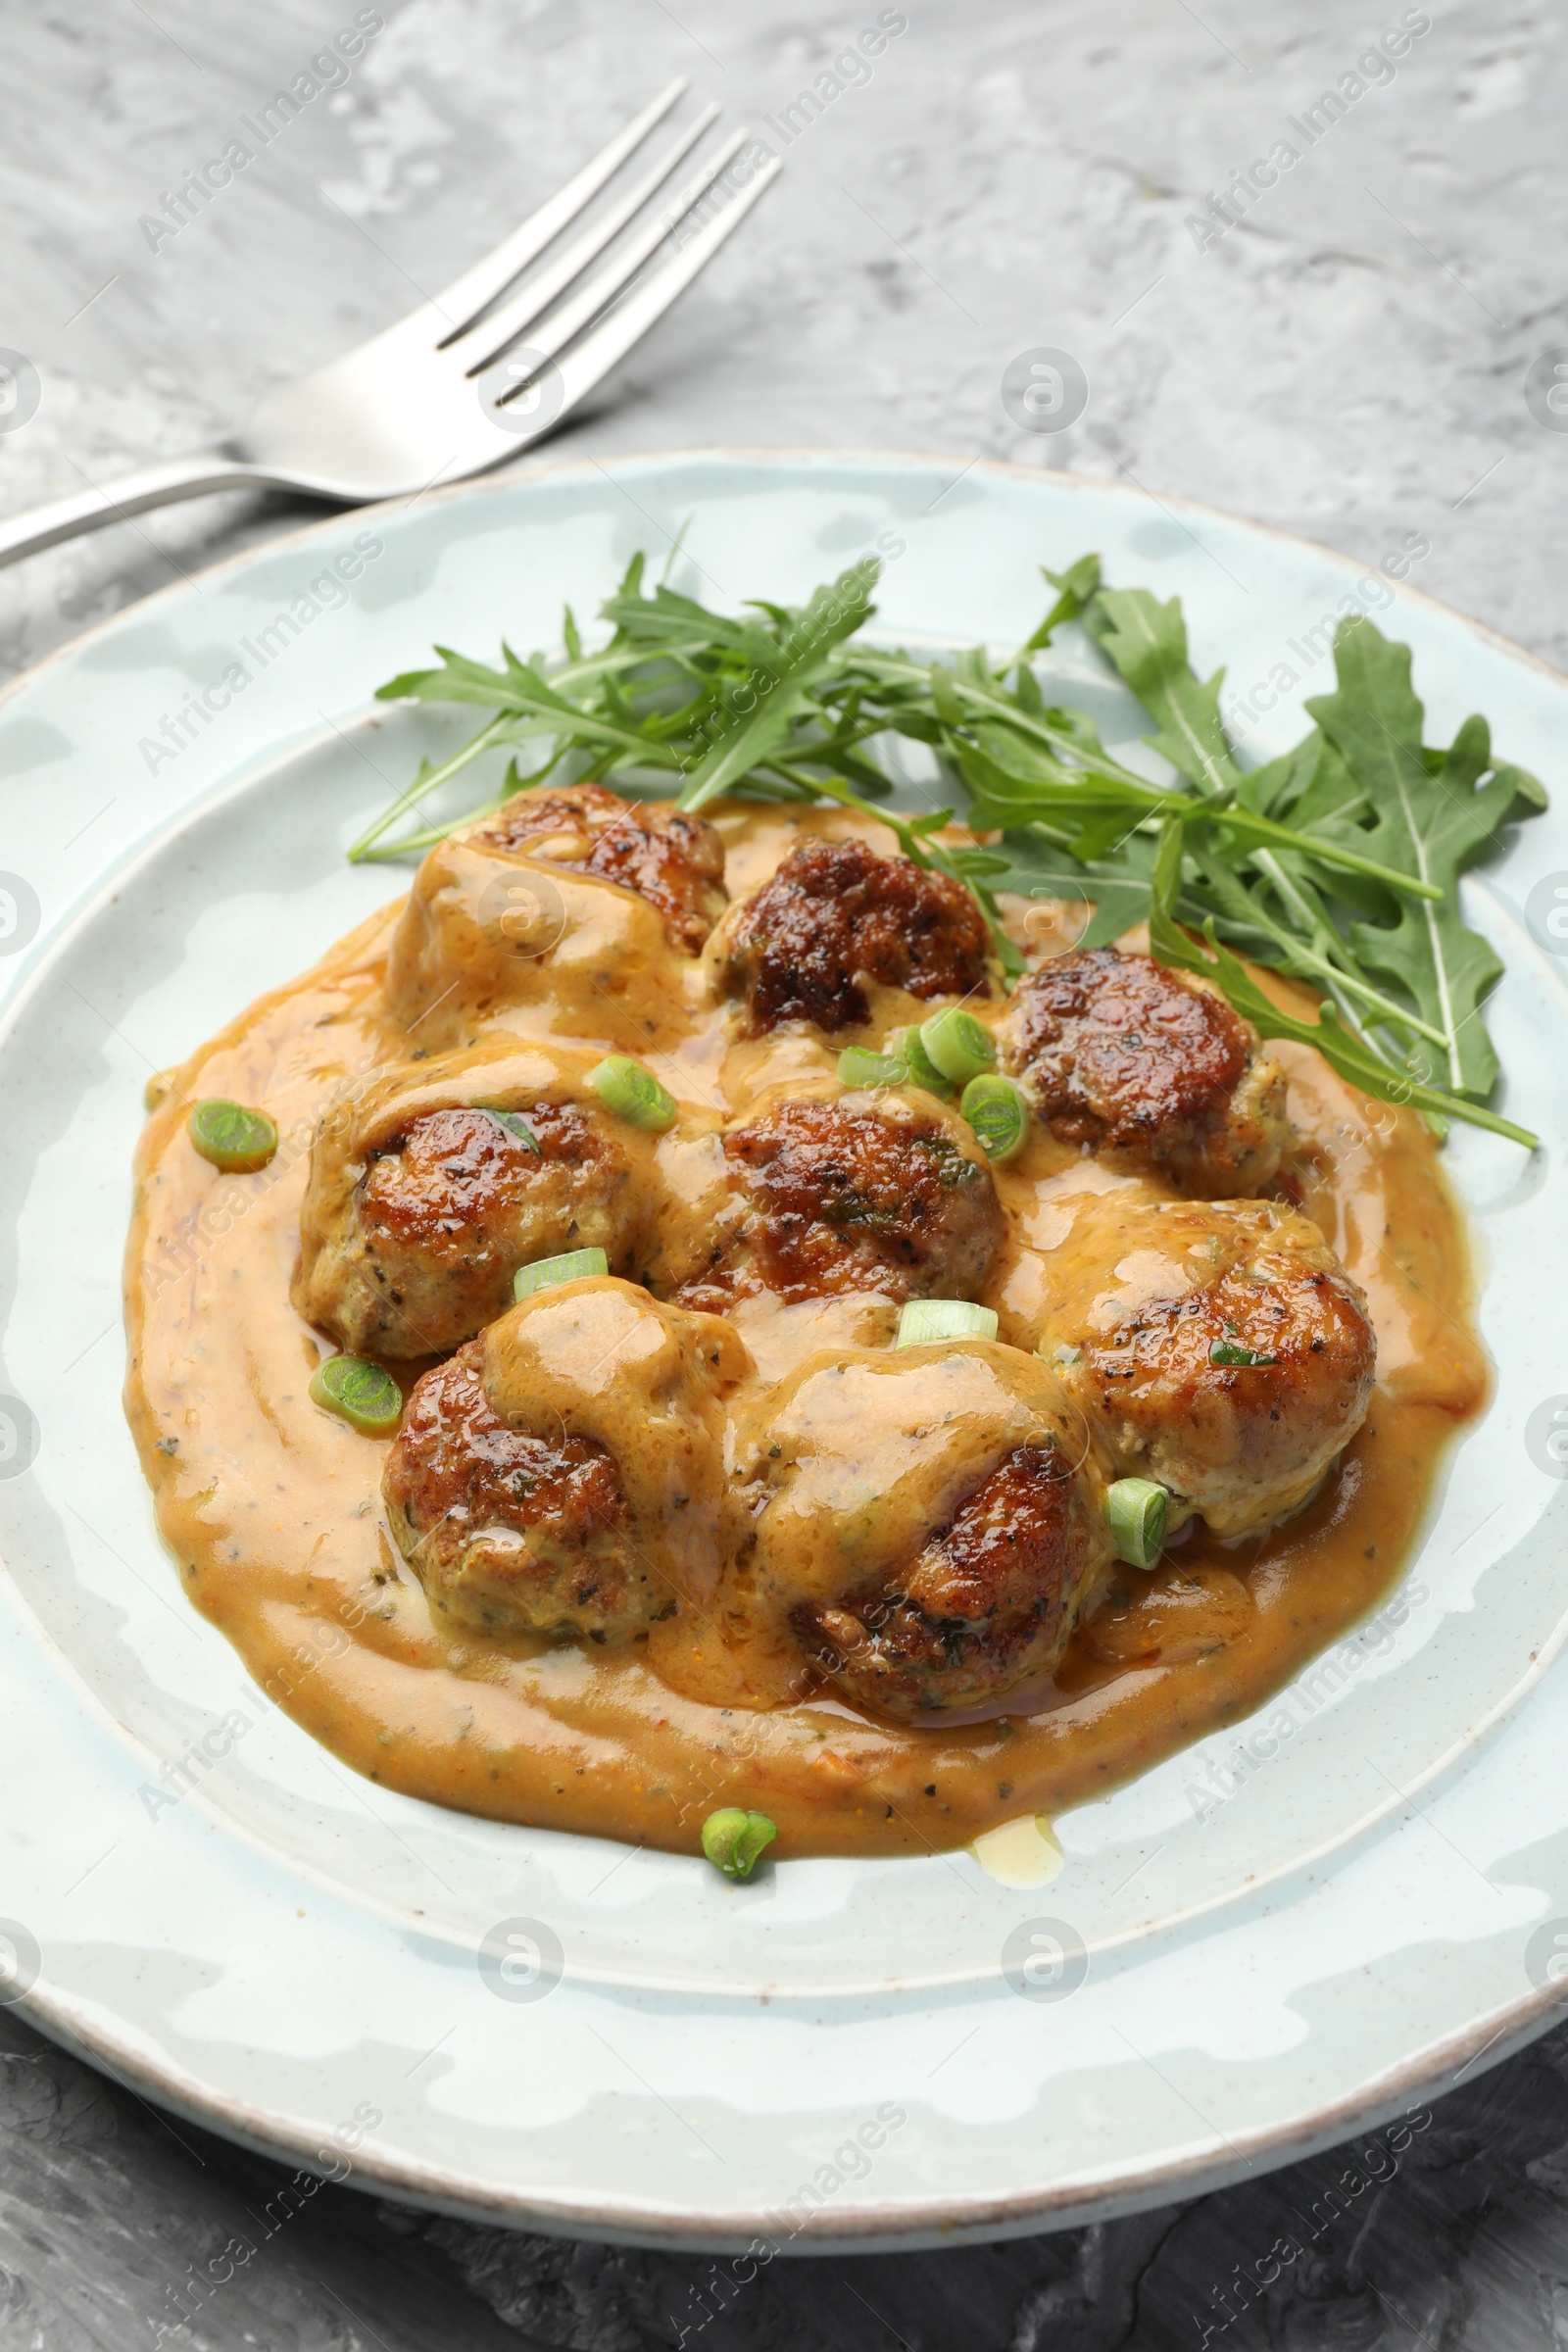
(272, 1509)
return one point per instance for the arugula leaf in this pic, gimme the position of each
(428, 778)
(666, 619)
(1094, 813)
(782, 667)
(1116, 886)
(1335, 862)
(1364, 792)
(1431, 822)
(1145, 642)
(1340, 1046)
(1076, 587)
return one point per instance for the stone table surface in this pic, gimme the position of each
(1349, 356)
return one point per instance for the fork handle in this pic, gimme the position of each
(193, 476)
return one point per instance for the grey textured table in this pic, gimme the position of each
(1349, 358)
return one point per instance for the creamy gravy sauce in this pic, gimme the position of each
(272, 1509)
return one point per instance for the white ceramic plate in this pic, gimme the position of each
(1290, 1931)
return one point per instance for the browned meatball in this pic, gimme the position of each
(563, 1474)
(452, 1207)
(1150, 1070)
(885, 1192)
(508, 1529)
(430, 1188)
(676, 862)
(837, 918)
(929, 1522)
(989, 1602)
(565, 913)
(1220, 1347)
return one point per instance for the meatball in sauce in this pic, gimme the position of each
(929, 1522)
(837, 920)
(1151, 1070)
(566, 911)
(884, 1192)
(563, 1474)
(510, 1530)
(676, 862)
(989, 1602)
(429, 1188)
(1220, 1347)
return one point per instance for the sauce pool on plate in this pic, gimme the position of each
(736, 1662)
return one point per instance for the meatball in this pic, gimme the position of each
(569, 913)
(884, 1192)
(429, 1191)
(1150, 1070)
(1221, 1348)
(983, 1608)
(676, 862)
(837, 918)
(563, 1474)
(930, 1523)
(507, 1530)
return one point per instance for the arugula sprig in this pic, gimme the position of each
(1405, 976)
(1433, 814)
(679, 696)
(1341, 1048)
(1336, 863)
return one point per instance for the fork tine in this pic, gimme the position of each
(485, 279)
(592, 358)
(602, 289)
(498, 326)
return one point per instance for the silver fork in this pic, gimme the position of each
(443, 394)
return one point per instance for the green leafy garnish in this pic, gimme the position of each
(1340, 1046)
(1146, 642)
(1432, 817)
(1336, 865)
(1075, 588)
(516, 1126)
(1230, 1350)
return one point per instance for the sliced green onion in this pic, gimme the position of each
(572, 1265)
(732, 1840)
(1136, 1511)
(998, 1115)
(905, 1045)
(926, 1319)
(516, 1125)
(858, 1067)
(632, 1093)
(232, 1137)
(363, 1395)
(959, 1045)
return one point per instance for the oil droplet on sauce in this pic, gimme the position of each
(1021, 1853)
